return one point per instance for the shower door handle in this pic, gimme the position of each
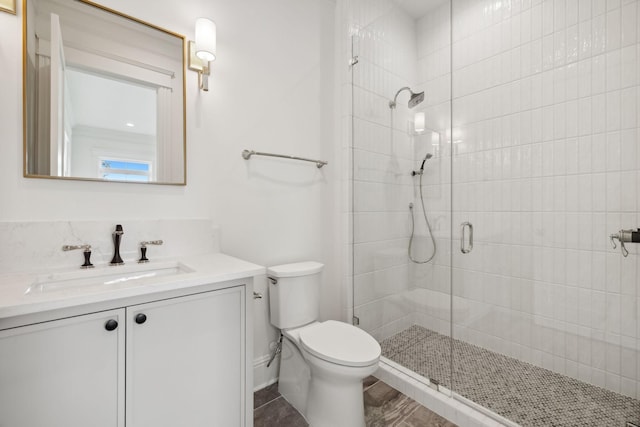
(464, 226)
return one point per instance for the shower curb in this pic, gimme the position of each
(456, 409)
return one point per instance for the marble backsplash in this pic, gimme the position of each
(37, 245)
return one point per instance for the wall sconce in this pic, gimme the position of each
(203, 51)
(419, 122)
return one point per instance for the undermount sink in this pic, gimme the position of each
(105, 276)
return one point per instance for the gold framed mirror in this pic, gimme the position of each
(104, 95)
(8, 6)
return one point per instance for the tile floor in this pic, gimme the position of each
(384, 407)
(524, 393)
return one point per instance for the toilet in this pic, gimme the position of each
(322, 363)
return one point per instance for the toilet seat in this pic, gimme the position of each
(340, 343)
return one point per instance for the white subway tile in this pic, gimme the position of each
(584, 39)
(613, 150)
(584, 10)
(629, 23)
(613, 191)
(598, 34)
(629, 66)
(629, 108)
(560, 14)
(598, 74)
(598, 117)
(613, 24)
(598, 7)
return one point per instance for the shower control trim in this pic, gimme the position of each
(625, 236)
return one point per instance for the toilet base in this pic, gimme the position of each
(295, 374)
(335, 394)
(326, 394)
(335, 405)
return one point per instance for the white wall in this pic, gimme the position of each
(270, 90)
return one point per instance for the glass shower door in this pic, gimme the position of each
(544, 168)
(400, 163)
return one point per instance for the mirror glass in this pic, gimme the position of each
(103, 95)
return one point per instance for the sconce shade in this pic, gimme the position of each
(205, 39)
(419, 122)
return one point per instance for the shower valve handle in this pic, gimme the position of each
(629, 236)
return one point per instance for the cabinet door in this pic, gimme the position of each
(64, 373)
(186, 361)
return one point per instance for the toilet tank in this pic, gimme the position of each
(295, 296)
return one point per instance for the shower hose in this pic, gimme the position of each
(413, 223)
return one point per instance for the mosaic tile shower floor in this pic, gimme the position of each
(521, 392)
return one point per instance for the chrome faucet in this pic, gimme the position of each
(117, 237)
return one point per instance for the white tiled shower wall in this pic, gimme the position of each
(546, 166)
(545, 145)
(384, 153)
(390, 292)
(380, 188)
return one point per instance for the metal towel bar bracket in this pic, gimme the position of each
(246, 154)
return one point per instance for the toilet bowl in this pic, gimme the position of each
(322, 363)
(321, 372)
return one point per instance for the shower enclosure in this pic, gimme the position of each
(525, 152)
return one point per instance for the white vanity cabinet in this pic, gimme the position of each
(178, 361)
(63, 373)
(185, 361)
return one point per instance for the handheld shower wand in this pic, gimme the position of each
(421, 170)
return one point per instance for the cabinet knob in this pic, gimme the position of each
(141, 318)
(111, 325)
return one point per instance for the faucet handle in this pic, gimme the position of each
(151, 242)
(143, 249)
(74, 247)
(86, 252)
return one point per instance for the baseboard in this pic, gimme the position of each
(264, 376)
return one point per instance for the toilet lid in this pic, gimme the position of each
(340, 343)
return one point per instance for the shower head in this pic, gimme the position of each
(415, 99)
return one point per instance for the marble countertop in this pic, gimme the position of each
(105, 287)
